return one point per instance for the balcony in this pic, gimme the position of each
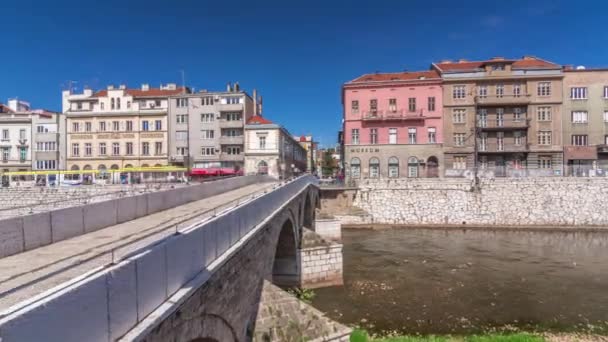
(231, 107)
(226, 140)
(231, 123)
(396, 115)
(494, 124)
(495, 148)
(231, 157)
(494, 100)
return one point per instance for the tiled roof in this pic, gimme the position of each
(522, 63)
(258, 120)
(303, 139)
(152, 92)
(397, 76)
(5, 109)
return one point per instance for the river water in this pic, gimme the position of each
(434, 281)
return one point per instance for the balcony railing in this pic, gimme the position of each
(226, 140)
(231, 123)
(231, 157)
(395, 115)
(493, 123)
(505, 147)
(502, 99)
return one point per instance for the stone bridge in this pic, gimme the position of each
(212, 281)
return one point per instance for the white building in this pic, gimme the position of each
(270, 149)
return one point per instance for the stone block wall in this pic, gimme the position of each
(558, 201)
(329, 229)
(321, 266)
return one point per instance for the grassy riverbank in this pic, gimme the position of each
(362, 336)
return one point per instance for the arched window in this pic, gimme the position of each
(87, 167)
(393, 167)
(128, 166)
(74, 176)
(355, 168)
(432, 167)
(412, 167)
(374, 167)
(114, 167)
(74, 168)
(263, 167)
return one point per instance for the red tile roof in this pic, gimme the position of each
(5, 109)
(303, 139)
(397, 76)
(152, 92)
(258, 120)
(522, 63)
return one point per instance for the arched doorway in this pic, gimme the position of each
(412, 167)
(374, 167)
(115, 175)
(432, 167)
(103, 171)
(285, 266)
(355, 168)
(393, 167)
(262, 167)
(73, 176)
(87, 178)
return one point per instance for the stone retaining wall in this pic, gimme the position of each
(321, 266)
(555, 201)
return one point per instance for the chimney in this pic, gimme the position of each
(169, 86)
(255, 102)
(228, 87)
(145, 87)
(462, 60)
(122, 87)
(236, 87)
(261, 103)
(498, 58)
(111, 87)
(88, 92)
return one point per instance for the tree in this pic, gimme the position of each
(329, 165)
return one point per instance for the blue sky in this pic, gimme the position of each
(296, 53)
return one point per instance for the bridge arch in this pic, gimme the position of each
(285, 270)
(206, 327)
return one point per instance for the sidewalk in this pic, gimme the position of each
(27, 274)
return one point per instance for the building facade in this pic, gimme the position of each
(206, 129)
(15, 138)
(503, 116)
(270, 149)
(118, 127)
(585, 121)
(311, 147)
(393, 125)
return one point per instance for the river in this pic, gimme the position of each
(434, 281)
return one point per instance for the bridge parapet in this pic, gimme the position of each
(108, 302)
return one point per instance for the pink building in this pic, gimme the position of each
(393, 125)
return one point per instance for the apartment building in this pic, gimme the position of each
(503, 115)
(585, 121)
(206, 129)
(270, 149)
(393, 125)
(311, 151)
(118, 127)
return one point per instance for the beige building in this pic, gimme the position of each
(510, 109)
(118, 127)
(585, 121)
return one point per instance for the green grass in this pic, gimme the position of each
(362, 336)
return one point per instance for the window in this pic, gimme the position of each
(354, 106)
(128, 104)
(393, 167)
(262, 141)
(158, 148)
(412, 167)
(88, 150)
(498, 67)
(129, 126)
(373, 136)
(355, 168)
(101, 105)
(459, 115)
(181, 102)
(46, 146)
(482, 91)
(500, 117)
(460, 162)
(46, 164)
(482, 143)
(102, 126)
(579, 117)
(373, 106)
(411, 135)
(392, 105)
(482, 118)
(145, 148)
(432, 135)
(5, 153)
(145, 126)
(207, 101)
(75, 126)
(544, 137)
(411, 104)
(182, 151)
(157, 103)
(518, 138)
(579, 140)
(207, 117)
(181, 135)
(606, 116)
(544, 162)
(606, 92)
(517, 90)
(500, 90)
(233, 116)
(483, 162)
(102, 149)
(392, 135)
(87, 126)
(232, 100)
(500, 141)
(543, 89)
(129, 148)
(115, 126)
(118, 103)
(458, 92)
(75, 150)
(354, 133)
(233, 150)
(113, 106)
(182, 119)
(79, 105)
(22, 134)
(207, 134)
(459, 139)
(543, 113)
(22, 153)
(5, 134)
(431, 104)
(158, 125)
(374, 167)
(517, 114)
(115, 149)
(208, 151)
(232, 133)
(578, 93)
(41, 129)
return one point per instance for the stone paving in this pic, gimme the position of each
(27, 274)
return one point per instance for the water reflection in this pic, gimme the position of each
(456, 281)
